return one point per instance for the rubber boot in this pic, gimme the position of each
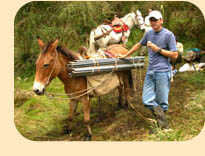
(160, 117)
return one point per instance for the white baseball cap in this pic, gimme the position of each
(156, 14)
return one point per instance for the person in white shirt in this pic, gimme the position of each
(147, 22)
(180, 47)
(178, 60)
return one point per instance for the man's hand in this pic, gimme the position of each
(153, 46)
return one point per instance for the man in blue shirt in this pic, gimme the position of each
(161, 45)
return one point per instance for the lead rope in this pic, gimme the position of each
(135, 75)
(140, 79)
(49, 95)
(148, 121)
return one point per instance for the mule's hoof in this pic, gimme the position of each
(119, 106)
(126, 105)
(88, 137)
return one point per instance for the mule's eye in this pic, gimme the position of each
(45, 65)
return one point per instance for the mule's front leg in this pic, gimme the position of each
(86, 110)
(73, 108)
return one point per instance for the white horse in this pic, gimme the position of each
(103, 35)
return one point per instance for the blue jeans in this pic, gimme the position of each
(156, 89)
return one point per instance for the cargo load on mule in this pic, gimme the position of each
(101, 69)
(104, 61)
(103, 65)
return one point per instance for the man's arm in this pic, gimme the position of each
(132, 50)
(171, 54)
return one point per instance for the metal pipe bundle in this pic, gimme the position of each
(101, 66)
(107, 61)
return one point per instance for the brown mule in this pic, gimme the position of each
(52, 63)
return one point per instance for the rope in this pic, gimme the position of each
(52, 69)
(97, 65)
(88, 90)
(148, 121)
(115, 65)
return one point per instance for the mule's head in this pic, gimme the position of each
(47, 66)
(139, 19)
(134, 18)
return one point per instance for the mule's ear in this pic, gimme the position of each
(55, 44)
(138, 13)
(40, 42)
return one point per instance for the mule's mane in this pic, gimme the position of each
(68, 53)
(128, 15)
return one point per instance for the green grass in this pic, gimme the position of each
(197, 78)
(192, 121)
(41, 118)
(38, 115)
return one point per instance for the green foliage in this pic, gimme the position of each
(71, 22)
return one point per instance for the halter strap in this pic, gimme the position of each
(137, 17)
(52, 69)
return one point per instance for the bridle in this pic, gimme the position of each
(138, 18)
(48, 80)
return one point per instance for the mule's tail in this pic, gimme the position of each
(92, 49)
(130, 80)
